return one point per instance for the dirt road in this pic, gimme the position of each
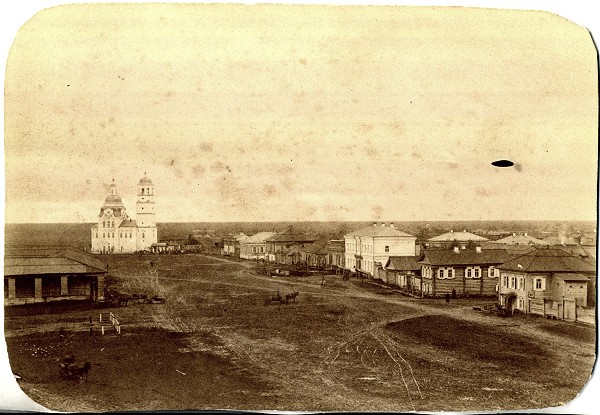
(346, 345)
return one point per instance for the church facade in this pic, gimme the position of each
(115, 232)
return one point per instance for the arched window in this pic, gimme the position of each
(104, 235)
(103, 224)
(143, 235)
(142, 190)
(120, 235)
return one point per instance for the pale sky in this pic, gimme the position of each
(248, 113)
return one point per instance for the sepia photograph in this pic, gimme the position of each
(299, 208)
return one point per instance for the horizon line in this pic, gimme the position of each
(330, 221)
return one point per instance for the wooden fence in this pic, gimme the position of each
(565, 309)
(113, 320)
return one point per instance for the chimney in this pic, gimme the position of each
(451, 230)
(382, 224)
(374, 223)
(392, 225)
(514, 234)
(478, 249)
(525, 234)
(456, 249)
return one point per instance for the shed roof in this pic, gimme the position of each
(43, 260)
(464, 257)
(548, 260)
(403, 263)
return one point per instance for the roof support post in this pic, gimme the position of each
(100, 287)
(64, 285)
(38, 287)
(12, 289)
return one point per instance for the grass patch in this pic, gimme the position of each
(472, 341)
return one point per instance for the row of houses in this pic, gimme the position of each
(288, 247)
(524, 273)
(456, 263)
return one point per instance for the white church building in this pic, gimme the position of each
(115, 232)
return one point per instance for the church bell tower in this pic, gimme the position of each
(145, 214)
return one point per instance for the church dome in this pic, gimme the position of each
(113, 200)
(145, 181)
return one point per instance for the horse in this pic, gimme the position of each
(276, 298)
(124, 299)
(291, 296)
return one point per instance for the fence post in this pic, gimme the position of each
(103, 330)
(100, 317)
(544, 307)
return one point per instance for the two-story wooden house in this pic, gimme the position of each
(546, 281)
(461, 271)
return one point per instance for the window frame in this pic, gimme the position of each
(542, 281)
(473, 272)
(446, 273)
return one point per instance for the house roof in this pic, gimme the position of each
(290, 235)
(191, 241)
(579, 251)
(379, 231)
(467, 257)
(44, 260)
(403, 263)
(293, 251)
(588, 239)
(316, 248)
(521, 240)
(458, 237)
(336, 245)
(568, 276)
(258, 238)
(548, 260)
(560, 240)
